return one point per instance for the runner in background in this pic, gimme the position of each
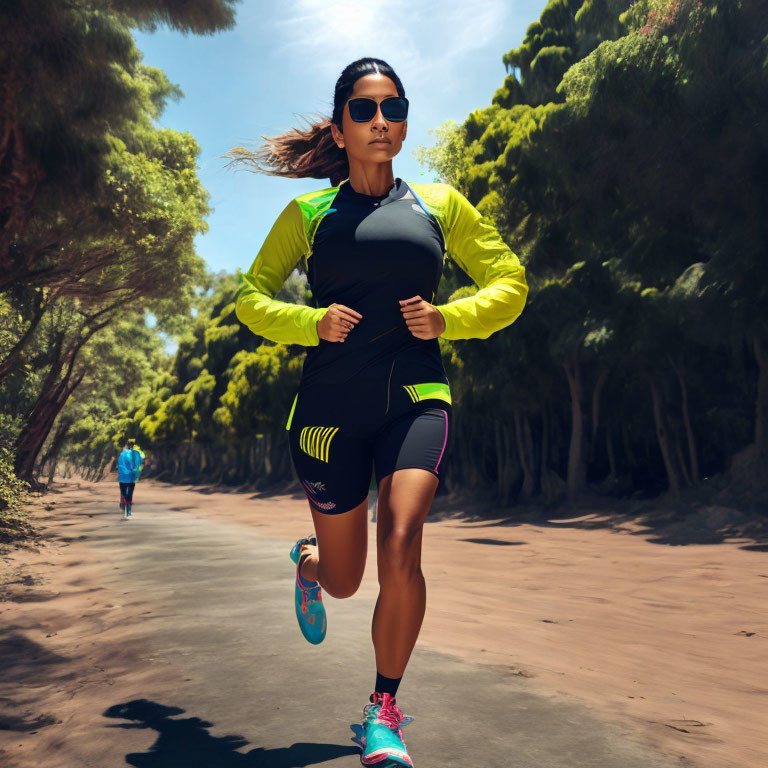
(128, 469)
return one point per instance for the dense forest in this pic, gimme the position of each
(623, 158)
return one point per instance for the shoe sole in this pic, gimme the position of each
(388, 762)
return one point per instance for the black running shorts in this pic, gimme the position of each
(388, 417)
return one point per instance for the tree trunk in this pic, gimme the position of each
(51, 455)
(528, 442)
(681, 462)
(761, 400)
(628, 452)
(663, 438)
(103, 464)
(504, 459)
(575, 450)
(596, 392)
(511, 469)
(468, 463)
(41, 421)
(692, 450)
(544, 464)
(609, 450)
(527, 489)
(499, 458)
(53, 396)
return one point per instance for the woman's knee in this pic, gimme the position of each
(339, 585)
(342, 545)
(339, 579)
(399, 555)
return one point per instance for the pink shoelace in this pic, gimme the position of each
(389, 712)
(310, 593)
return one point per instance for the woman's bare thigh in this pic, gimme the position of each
(405, 498)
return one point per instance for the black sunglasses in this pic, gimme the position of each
(363, 109)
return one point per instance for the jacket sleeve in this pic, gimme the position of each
(256, 307)
(475, 244)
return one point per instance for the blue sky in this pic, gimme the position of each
(279, 65)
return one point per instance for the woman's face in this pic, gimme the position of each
(358, 138)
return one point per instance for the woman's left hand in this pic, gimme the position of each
(422, 318)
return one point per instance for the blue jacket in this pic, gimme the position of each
(128, 464)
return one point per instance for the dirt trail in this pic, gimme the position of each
(566, 642)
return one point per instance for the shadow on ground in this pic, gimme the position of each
(700, 517)
(25, 664)
(187, 743)
(659, 521)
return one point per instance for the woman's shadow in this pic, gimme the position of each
(186, 743)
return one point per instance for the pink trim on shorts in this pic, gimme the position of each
(442, 451)
(309, 490)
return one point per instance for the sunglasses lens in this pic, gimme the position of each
(394, 109)
(362, 110)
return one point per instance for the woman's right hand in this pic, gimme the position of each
(336, 323)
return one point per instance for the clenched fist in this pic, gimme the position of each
(336, 323)
(423, 319)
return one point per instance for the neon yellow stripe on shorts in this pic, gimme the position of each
(430, 390)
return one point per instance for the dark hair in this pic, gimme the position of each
(312, 152)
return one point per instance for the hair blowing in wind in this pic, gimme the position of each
(311, 152)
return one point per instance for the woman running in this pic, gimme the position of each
(373, 391)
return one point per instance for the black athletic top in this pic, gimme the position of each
(368, 252)
(371, 251)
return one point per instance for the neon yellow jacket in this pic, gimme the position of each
(471, 240)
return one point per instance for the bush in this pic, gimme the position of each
(13, 494)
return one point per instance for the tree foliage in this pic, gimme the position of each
(98, 207)
(623, 159)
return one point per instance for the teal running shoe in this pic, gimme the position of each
(383, 744)
(308, 598)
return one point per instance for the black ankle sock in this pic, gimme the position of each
(386, 684)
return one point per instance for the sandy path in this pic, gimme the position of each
(670, 641)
